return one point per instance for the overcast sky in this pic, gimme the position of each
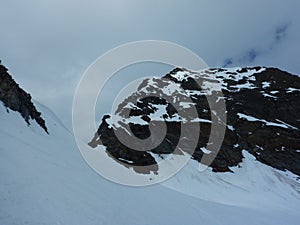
(48, 44)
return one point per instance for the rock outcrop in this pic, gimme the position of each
(16, 99)
(262, 108)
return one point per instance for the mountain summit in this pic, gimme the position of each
(262, 109)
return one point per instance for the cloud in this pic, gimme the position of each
(248, 57)
(257, 51)
(281, 31)
(48, 44)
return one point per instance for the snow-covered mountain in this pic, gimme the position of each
(44, 180)
(262, 117)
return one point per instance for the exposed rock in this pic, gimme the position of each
(262, 116)
(16, 99)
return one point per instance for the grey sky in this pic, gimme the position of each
(47, 44)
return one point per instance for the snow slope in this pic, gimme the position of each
(44, 180)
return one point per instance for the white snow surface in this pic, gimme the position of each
(289, 90)
(44, 180)
(268, 123)
(216, 80)
(266, 84)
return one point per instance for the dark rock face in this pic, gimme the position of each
(262, 116)
(16, 99)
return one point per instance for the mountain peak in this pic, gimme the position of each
(262, 109)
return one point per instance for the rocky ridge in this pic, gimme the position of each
(262, 106)
(15, 98)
